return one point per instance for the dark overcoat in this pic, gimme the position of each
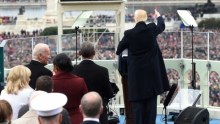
(97, 79)
(37, 70)
(146, 69)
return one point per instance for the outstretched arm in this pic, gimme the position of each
(160, 22)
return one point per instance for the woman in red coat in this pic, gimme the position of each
(69, 84)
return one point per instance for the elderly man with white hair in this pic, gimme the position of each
(40, 57)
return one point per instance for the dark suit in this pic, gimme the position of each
(90, 122)
(146, 70)
(37, 70)
(97, 79)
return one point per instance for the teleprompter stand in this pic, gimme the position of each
(188, 20)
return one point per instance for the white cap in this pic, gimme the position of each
(49, 104)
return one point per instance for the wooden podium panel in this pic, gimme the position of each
(129, 118)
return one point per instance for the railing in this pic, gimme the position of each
(175, 46)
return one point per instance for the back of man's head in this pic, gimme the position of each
(87, 50)
(91, 105)
(140, 15)
(44, 83)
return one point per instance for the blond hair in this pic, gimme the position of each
(140, 15)
(18, 78)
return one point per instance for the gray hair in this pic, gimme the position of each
(38, 49)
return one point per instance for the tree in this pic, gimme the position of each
(211, 23)
(54, 31)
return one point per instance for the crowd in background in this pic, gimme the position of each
(8, 20)
(20, 1)
(169, 42)
(214, 89)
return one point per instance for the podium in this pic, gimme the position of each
(122, 68)
(128, 108)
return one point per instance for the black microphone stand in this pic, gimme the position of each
(76, 30)
(165, 109)
(193, 82)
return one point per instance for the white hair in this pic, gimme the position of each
(38, 49)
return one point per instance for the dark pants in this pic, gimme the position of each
(145, 111)
(104, 116)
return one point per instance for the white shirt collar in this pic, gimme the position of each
(91, 119)
(86, 59)
(36, 60)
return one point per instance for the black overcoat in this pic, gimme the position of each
(97, 79)
(37, 70)
(146, 69)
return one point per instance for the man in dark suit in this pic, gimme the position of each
(91, 108)
(95, 76)
(40, 56)
(146, 69)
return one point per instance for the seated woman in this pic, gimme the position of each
(17, 90)
(69, 84)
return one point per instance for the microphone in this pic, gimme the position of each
(170, 95)
(77, 29)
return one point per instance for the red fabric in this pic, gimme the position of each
(74, 88)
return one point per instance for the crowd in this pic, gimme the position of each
(103, 19)
(169, 42)
(21, 1)
(214, 89)
(8, 20)
(23, 34)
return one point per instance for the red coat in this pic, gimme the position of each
(74, 88)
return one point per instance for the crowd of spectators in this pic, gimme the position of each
(169, 42)
(214, 89)
(8, 20)
(22, 1)
(102, 19)
(173, 77)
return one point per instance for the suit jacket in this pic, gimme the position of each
(97, 79)
(37, 70)
(90, 122)
(30, 117)
(23, 110)
(74, 88)
(146, 69)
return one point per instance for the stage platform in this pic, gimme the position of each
(160, 120)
